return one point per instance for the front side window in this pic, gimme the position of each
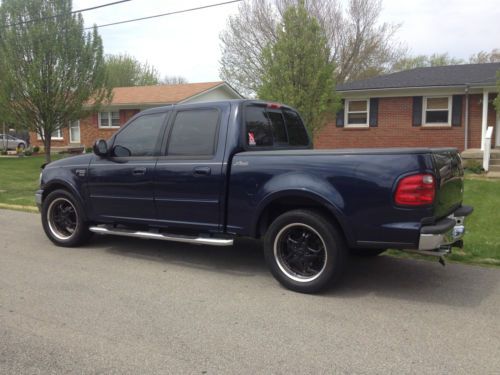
(194, 133)
(437, 110)
(109, 119)
(140, 137)
(274, 127)
(357, 112)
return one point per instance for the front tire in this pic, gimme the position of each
(305, 252)
(62, 220)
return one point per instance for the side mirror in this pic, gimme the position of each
(101, 148)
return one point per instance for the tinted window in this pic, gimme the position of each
(278, 124)
(268, 127)
(259, 131)
(297, 134)
(139, 138)
(194, 132)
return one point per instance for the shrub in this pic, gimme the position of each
(3, 152)
(28, 153)
(474, 166)
(89, 150)
(36, 149)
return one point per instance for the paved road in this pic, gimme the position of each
(130, 306)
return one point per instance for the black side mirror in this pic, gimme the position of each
(101, 148)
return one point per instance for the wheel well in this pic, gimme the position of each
(284, 204)
(53, 187)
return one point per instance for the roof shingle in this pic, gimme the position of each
(451, 75)
(159, 94)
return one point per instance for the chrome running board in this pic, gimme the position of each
(164, 237)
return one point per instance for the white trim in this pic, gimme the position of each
(425, 110)
(484, 118)
(346, 114)
(222, 85)
(110, 121)
(79, 132)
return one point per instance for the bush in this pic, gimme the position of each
(28, 153)
(3, 152)
(474, 166)
(89, 150)
(36, 149)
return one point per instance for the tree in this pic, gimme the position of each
(483, 57)
(422, 61)
(497, 100)
(124, 70)
(359, 45)
(173, 80)
(297, 68)
(52, 70)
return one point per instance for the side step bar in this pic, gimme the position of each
(164, 237)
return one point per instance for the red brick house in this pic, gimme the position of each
(431, 107)
(128, 101)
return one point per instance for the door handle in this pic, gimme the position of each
(202, 171)
(139, 171)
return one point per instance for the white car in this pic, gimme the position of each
(11, 143)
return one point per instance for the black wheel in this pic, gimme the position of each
(304, 251)
(62, 220)
(367, 252)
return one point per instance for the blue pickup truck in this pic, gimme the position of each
(207, 173)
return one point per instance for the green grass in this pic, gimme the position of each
(19, 181)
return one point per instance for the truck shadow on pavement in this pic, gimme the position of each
(384, 276)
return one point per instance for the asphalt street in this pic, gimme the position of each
(127, 306)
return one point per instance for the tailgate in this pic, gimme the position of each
(450, 181)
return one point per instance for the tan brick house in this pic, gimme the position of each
(424, 107)
(128, 101)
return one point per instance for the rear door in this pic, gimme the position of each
(189, 176)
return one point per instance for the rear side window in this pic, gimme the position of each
(274, 127)
(194, 133)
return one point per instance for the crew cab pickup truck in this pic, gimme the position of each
(207, 173)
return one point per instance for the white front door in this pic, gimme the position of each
(74, 132)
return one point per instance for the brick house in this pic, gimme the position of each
(128, 101)
(424, 107)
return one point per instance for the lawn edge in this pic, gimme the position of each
(15, 207)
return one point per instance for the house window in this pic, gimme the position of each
(74, 132)
(109, 119)
(437, 110)
(57, 135)
(356, 112)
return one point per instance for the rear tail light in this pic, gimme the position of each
(273, 105)
(416, 190)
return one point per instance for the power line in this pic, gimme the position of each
(165, 14)
(63, 14)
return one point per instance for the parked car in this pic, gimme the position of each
(11, 143)
(208, 173)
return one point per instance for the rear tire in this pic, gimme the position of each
(62, 220)
(367, 253)
(305, 252)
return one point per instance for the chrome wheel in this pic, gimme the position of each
(62, 218)
(300, 252)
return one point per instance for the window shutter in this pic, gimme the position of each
(417, 110)
(339, 120)
(456, 110)
(373, 112)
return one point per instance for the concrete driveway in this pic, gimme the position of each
(130, 306)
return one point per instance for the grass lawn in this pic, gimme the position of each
(19, 181)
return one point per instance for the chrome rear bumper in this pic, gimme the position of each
(437, 239)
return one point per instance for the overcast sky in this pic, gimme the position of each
(188, 44)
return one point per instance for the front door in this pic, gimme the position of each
(189, 177)
(121, 185)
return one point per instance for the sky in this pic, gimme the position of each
(188, 44)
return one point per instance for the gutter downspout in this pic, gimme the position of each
(466, 117)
